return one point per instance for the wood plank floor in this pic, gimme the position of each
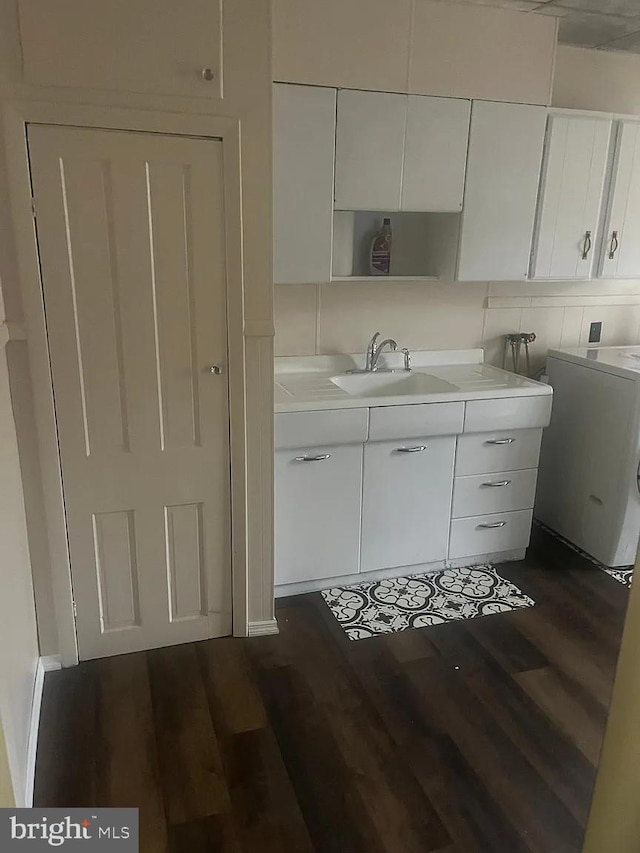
(477, 735)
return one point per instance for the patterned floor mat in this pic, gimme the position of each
(395, 604)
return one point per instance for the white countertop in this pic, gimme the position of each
(305, 384)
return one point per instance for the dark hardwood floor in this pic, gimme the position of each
(477, 735)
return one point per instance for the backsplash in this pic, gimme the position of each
(338, 318)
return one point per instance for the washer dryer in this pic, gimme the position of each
(589, 478)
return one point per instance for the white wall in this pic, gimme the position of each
(18, 635)
(332, 318)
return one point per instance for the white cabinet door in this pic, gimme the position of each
(406, 502)
(503, 167)
(127, 45)
(303, 144)
(318, 493)
(621, 248)
(369, 150)
(435, 153)
(573, 176)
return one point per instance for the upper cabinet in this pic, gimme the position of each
(621, 246)
(399, 152)
(435, 154)
(571, 192)
(303, 145)
(171, 48)
(503, 168)
(369, 150)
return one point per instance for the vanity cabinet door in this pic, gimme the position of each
(406, 502)
(369, 150)
(318, 494)
(621, 247)
(435, 153)
(501, 187)
(571, 190)
(304, 120)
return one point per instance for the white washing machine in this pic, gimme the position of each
(589, 478)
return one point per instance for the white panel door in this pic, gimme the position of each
(435, 153)
(503, 167)
(406, 502)
(573, 176)
(318, 494)
(129, 45)
(304, 126)
(621, 248)
(369, 150)
(131, 238)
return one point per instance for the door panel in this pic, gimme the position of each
(370, 129)
(503, 167)
(435, 153)
(406, 502)
(575, 166)
(318, 510)
(304, 135)
(621, 250)
(131, 240)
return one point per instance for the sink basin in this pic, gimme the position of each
(391, 384)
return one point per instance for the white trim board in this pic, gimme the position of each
(261, 629)
(561, 301)
(44, 665)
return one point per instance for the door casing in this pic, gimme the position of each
(17, 115)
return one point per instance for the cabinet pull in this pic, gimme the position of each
(320, 458)
(500, 441)
(417, 449)
(491, 524)
(613, 246)
(497, 483)
(586, 246)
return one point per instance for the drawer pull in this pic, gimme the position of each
(497, 484)
(320, 458)
(490, 525)
(417, 449)
(500, 441)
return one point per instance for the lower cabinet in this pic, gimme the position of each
(406, 502)
(318, 511)
(366, 490)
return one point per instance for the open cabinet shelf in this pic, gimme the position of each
(423, 245)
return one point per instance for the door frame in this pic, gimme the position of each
(16, 116)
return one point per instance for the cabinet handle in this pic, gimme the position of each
(320, 458)
(497, 483)
(500, 441)
(586, 246)
(613, 246)
(491, 524)
(417, 449)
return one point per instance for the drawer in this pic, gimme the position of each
(417, 421)
(475, 536)
(309, 429)
(485, 453)
(482, 494)
(508, 413)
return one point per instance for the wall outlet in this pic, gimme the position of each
(595, 333)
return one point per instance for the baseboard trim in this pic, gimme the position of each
(261, 629)
(44, 665)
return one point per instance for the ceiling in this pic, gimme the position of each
(603, 24)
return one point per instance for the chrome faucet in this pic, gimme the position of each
(374, 351)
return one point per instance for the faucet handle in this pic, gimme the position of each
(407, 358)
